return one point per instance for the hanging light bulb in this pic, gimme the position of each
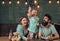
(10, 2)
(38, 6)
(58, 2)
(26, 3)
(50, 2)
(35, 1)
(18, 2)
(3, 2)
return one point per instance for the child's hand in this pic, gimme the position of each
(29, 9)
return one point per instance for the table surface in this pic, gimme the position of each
(44, 40)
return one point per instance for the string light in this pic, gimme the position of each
(38, 6)
(10, 2)
(50, 2)
(35, 1)
(58, 2)
(3, 2)
(26, 3)
(18, 2)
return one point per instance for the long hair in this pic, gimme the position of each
(20, 19)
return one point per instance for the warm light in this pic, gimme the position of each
(35, 1)
(3, 2)
(26, 3)
(38, 6)
(18, 2)
(50, 2)
(57, 2)
(10, 2)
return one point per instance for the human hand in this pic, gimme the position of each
(44, 37)
(50, 37)
(29, 9)
(27, 39)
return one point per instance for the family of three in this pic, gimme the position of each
(29, 27)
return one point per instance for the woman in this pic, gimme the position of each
(22, 28)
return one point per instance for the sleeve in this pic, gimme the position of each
(20, 31)
(53, 29)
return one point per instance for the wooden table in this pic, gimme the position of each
(44, 40)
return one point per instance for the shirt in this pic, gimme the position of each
(33, 22)
(47, 31)
(20, 31)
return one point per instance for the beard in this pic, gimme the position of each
(44, 23)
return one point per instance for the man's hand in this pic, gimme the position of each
(47, 38)
(27, 39)
(50, 37)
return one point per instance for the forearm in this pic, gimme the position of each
(29, 12)
(55, 36)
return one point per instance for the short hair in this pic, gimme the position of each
(49, 17)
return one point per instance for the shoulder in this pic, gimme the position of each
(30, 17)
(52, 26)
(41, 26)
(37, 17)
(19, 26)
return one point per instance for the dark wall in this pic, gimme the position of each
(9, 14)
(5, 29)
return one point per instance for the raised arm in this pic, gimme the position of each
(29, 12)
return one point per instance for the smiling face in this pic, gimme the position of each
(34, 12)
(46, 21)
(24, 21)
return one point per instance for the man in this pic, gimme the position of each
(47, 30)
(33, 19)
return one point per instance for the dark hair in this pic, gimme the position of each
(49, 17)
(21, 20)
